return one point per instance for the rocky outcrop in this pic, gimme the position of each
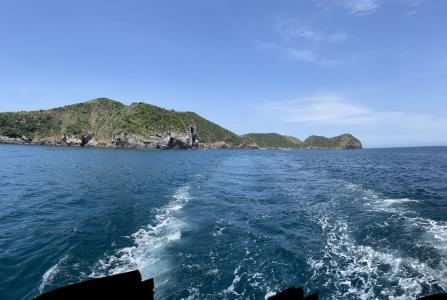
(158, 141)
(166, 141)
(11, 140)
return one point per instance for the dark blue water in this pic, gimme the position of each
(226, 224)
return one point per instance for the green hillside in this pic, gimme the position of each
(272, 140)
(344, 141)
(107, 123)
(105, 118)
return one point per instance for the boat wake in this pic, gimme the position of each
(355, 271)
(51, 273)
(147, 254)
(435, 232)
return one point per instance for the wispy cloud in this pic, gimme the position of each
(300, 54)
(331, 112)
(334, 109)
(335, 114)
(327, 109)
(364, 7)
(303, 55)
(293, 30)
(301, 43)
(359, 7)
(412, 6)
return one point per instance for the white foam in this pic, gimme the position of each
(217, 231)
(194, 293)
(392, 205)
(49, 275)
(352, 271)
(237, 278)
(248, 271)
(149, 243)
(398, 201)
(436, 231)
(373, 198)
(269, 294)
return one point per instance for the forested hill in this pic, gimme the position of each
(107, 123)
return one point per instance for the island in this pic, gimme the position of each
(108, 123)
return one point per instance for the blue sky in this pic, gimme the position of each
(375, 68)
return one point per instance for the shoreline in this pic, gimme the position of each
(62, 146)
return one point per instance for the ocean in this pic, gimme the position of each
(226, 224)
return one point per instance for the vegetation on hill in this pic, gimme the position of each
(272, 140)
(344, 141)
(105, 122)
(105, 118)
(210, 132)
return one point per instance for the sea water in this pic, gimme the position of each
(226, 224)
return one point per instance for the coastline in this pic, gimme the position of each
(200, 146)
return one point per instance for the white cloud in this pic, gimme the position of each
(363, 7)
(299, 32)
(327, 109)
(303, 55)
(359, 7)
(412, 3)
(301, 43)
(332, 113)
(291, 29)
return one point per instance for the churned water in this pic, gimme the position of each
(369, 224)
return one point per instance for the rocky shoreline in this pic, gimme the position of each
(155, 142)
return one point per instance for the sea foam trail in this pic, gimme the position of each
(49, 275)
(353, 270)
(149, 243)
(435, 231)
(356, 271)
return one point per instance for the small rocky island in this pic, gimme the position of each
(107, 123)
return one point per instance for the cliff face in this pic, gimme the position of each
(107, 123)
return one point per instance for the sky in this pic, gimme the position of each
(373, 68)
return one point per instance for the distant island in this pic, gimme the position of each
(107, 123)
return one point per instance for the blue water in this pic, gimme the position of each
(226, 224)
